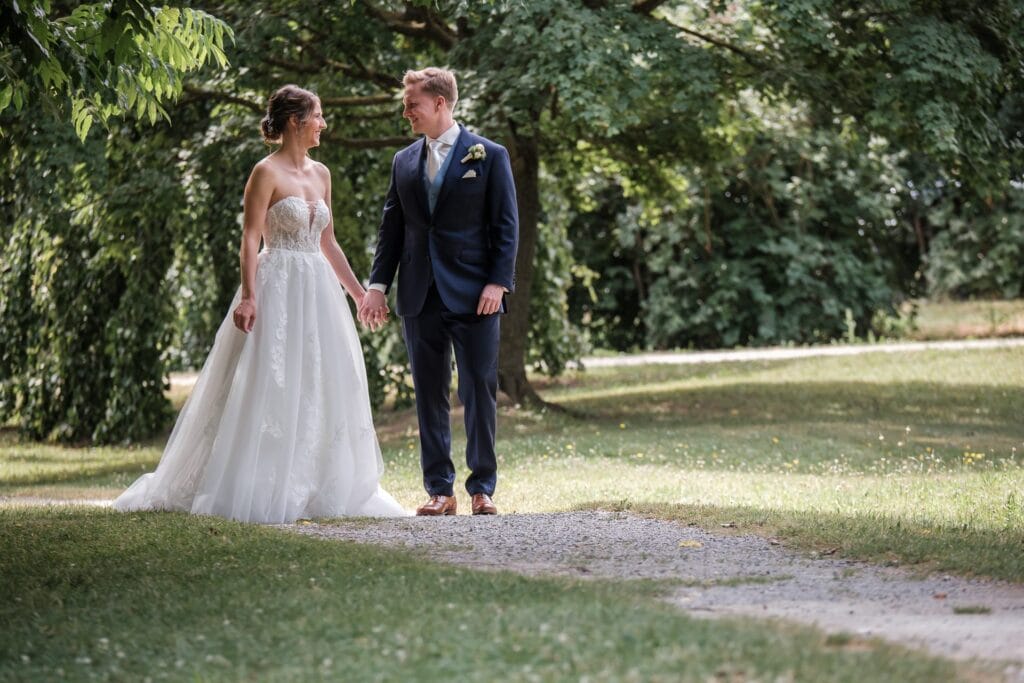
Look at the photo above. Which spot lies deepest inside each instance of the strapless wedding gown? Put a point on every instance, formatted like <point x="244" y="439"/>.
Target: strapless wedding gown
<point x="278" y="425"/>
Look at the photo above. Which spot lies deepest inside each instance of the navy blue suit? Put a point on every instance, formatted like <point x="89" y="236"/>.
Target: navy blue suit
<point x="443" y="259"/>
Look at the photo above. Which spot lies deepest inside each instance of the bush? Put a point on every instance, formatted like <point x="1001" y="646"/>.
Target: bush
<point x="978" y="252"/>
<point x="782" y="244"/>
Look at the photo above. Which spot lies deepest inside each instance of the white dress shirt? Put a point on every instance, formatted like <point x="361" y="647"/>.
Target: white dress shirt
<point x="438" y="150"/>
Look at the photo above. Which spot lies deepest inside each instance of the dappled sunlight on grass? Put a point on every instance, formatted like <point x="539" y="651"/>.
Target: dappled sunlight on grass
<point x="874" y="414"/>
<point x="31" y="464"/>
<point x="932" y="441"/>
<point x="981" y="500"/>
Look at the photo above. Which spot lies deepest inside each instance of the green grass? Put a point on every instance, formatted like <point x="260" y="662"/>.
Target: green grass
<point x="972" y="609"/>
<point x="968" y="319"/>
<point x="50" y="470"/>
<point x="93" y="594"/>
<point x="913" y="459"/>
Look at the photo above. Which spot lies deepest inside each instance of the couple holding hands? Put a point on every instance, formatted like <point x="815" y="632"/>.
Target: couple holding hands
<point x="278" y="426"/>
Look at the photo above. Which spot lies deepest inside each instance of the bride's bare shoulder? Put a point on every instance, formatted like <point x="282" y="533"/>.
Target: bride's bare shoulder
<point x="265" y="170"/>
<point x="263" y="178"/>
<point x="266" y="165"/>
<point x="321" y="169"/>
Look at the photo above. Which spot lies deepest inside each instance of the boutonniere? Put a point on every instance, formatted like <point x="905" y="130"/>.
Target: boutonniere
<point x="477" y="151"/>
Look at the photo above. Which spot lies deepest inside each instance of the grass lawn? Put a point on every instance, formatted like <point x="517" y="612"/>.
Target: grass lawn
<point x="911" y="459"/>
<point x="97" y="595"/>
<point x="915" y="459"/>
<point x="966" y="319"/>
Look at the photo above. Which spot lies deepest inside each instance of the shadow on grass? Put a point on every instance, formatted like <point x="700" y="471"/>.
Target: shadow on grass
<point x="93" y="477"/>
<point x="639" y="375"/>
<point x="981" y="405"/>
<point x="76" y="466"/>
<point x="964" y="550"/>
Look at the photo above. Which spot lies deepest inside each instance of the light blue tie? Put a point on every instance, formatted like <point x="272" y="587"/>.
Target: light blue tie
<point x="434" y="188"/>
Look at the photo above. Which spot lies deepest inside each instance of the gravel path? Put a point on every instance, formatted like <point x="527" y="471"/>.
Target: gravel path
<point x="722" y="575"/>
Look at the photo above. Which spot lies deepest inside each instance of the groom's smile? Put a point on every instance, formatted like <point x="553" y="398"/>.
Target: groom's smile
<point x="426" y="114"/>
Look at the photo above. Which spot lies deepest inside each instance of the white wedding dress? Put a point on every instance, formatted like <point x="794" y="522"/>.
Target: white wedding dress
<point x="278" y="426"/>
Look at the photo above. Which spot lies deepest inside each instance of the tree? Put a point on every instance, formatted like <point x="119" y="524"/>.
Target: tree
<point x="648" y="80"/>
<point x="93" y="61"/>
<point x="538" y="77"/>
<point x="668" y="106"/>
<point x="535" y="76"/>
<point x="82" y="287"/>
<point x="931" y="76"/>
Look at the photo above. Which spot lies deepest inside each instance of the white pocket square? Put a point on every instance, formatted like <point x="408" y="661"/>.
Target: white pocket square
<point x="469" y="174"/>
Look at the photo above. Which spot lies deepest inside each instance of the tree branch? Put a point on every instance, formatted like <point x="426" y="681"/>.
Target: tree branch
<point x="647" y="6"/>
<point x="341" y="101"/>
<point x="370" y="143"/>
<point x="718" y="42"/>
<point x="297" y="67"/>
<point x="416" y="22"/>
<point x="314" y="67"/>
<point x="357" y="100"/>
<point x="349" y="143"/>
<point x="200" y="93"/>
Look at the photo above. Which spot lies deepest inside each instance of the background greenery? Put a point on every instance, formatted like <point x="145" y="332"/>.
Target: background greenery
<point x="689" y="174"/>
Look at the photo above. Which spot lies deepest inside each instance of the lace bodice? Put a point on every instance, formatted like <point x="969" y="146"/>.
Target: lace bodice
<point x="295" y="224"/>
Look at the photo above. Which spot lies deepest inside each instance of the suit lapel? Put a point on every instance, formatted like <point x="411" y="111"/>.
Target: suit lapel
<point x="416" y="169"/>
<point x="455" y="166"/>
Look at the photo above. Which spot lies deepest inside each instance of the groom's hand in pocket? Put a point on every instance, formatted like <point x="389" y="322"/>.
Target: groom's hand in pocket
<point x="490" y="300"/>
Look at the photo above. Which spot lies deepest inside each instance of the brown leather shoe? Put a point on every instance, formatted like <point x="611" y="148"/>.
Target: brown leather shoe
<point x="437" y="506"/>
<point x="483" y="505"/>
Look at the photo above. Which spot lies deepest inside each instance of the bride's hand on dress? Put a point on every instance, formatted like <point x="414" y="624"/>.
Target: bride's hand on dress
<point x="245" y="315"/>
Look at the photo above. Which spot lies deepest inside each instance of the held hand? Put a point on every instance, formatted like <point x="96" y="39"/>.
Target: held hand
<point x="244" y="315"/>
<point x="373" y="310"/>
<point x="490" y="300"/>
<point x="359" y="297"/>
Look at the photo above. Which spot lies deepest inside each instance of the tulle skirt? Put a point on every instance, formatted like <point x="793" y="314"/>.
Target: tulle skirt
<point x="278" y="426"/>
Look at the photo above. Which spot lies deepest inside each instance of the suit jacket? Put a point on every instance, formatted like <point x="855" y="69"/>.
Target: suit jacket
<point x="467" y="242"/>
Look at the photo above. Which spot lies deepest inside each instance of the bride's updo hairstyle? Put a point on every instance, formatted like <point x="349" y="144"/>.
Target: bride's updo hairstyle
<point x="286" y="102"/>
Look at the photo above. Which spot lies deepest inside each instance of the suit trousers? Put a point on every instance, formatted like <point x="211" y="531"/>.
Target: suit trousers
<point x="430" y="338"/>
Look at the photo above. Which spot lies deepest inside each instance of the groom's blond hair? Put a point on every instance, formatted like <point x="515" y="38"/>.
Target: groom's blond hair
<point x="435" y="81"/>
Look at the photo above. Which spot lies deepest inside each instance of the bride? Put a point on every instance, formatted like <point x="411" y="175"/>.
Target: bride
<point x="278" y="425"/>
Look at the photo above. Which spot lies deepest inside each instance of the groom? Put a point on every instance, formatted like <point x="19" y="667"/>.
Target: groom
<point x="451" y="226"/>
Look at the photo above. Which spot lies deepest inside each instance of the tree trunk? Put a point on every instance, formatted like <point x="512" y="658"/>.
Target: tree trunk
<point x="515" y="325"/>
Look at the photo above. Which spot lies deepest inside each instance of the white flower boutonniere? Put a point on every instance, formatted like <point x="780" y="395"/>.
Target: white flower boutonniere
<point x="477" y="151"/>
